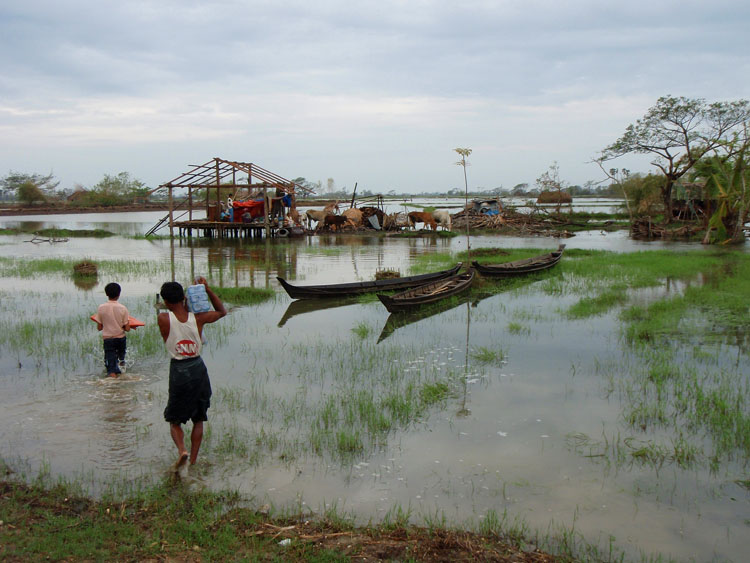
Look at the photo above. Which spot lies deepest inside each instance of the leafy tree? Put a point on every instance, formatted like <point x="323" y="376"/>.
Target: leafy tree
<point x="641" y="192"/>
<point x="117" y="189"/>
<point x="726" y="181"/>
<point x="13" y="182"/>
<point x="29" y="193"/>
<point x="120" y="185"/>
<point x="678" y="132"/>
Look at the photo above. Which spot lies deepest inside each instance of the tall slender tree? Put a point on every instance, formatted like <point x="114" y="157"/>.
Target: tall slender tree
<point x="464" y="153"/>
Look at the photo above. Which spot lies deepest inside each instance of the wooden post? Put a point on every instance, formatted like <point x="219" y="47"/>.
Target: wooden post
<point x="190" y="203"/>
<point x="171" y="212"/>
<point x="218" y="191"/>
<point x="266" y="223"/>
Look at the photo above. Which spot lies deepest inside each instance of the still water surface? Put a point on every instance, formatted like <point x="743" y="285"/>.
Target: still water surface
<point x="504" y="441"/>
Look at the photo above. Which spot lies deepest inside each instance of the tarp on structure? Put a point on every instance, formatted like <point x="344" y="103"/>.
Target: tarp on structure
<point x="255" y="208"/>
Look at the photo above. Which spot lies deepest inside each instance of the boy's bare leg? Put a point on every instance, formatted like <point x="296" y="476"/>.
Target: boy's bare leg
<point x="196" y="437"/>
<point x="178" y="436"/>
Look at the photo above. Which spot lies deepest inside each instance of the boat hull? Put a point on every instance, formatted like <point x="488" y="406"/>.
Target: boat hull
<point x="359" y="288"/>
<point x="428" y="293"/>
<point x="520" y="267"/>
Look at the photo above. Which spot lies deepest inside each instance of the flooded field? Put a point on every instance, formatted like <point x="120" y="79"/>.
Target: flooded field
<point x="510" y="409"/>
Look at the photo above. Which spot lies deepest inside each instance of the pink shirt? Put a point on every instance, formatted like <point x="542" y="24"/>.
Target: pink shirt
<point x="113" y="316"/>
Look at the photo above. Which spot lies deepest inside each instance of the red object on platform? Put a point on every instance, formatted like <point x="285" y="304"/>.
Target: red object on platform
<point x="255" y="208"/>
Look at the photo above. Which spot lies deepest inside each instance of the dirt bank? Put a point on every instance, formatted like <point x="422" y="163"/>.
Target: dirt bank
<point x="11" y="210"/>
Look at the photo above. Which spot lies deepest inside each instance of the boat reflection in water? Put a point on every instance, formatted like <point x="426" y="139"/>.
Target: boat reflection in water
<point x="401" y="319"/>
<point x="302" y="306"/>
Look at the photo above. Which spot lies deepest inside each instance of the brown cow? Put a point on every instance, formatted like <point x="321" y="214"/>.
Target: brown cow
<point x="335" y="222"/>
<point x="422" y="217"/>
<point x="354" y="216"/>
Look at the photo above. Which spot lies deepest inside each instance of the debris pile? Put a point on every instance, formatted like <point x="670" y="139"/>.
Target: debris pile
<point x="645" y="229"/>
<point x="511" y="221"/>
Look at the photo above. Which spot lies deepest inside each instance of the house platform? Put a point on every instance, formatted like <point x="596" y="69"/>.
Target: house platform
<point x="222" y="229"/>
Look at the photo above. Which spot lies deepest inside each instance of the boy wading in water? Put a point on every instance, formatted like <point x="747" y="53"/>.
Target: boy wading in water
<point x="189" y="386"/>
<point x="113" y="320"/>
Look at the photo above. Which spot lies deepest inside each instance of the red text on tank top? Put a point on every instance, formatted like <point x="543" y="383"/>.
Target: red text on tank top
<point x="186" y="348"/>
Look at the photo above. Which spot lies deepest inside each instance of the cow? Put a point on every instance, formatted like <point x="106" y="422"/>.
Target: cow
<point x="319" y="216"/>
<point x="332" y="208"/>
<point x="442" y="217"/>
<point x="353" y="216"/>
<point x="395" y="221"/>
<point x="315" y="215"/>
<point x="334" y="222"/>
<point x="421" y="217"/>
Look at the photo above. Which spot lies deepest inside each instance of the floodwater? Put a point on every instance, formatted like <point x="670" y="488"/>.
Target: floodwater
<point x="285" y="376"/>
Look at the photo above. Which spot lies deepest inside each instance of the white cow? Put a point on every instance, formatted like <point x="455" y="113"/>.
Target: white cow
<point x="442" y="217"/>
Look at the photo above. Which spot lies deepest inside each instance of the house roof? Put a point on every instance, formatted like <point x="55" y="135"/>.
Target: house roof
<point x="213" y="172"/>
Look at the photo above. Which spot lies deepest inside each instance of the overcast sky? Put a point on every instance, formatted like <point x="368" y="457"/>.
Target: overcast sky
<point x="376" y="92"/>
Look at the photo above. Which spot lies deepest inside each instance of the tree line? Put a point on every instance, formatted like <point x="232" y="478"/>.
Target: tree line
<point x="111" y="190"/>
<point x="699" y="151"/>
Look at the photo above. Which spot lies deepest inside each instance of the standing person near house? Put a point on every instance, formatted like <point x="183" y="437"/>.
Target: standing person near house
<point x="189" y="385"/>
<point x="230" y="209"/>
<point x="113" y="320"/>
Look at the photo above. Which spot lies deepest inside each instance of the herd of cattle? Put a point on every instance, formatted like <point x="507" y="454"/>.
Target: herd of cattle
<point x="329" y="218"/>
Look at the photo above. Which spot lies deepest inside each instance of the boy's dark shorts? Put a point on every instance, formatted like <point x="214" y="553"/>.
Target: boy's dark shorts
<point x="189" y="391"/>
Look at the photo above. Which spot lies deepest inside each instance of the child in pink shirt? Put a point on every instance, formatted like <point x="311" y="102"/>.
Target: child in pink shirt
<point x="113" y="321"/>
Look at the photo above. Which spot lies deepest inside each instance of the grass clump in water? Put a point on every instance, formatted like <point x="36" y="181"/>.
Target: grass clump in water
<point x="432" y="393"/>
<point x="244" y="295"/>
<point x="59" y="233"/>
<point x="486" y="355"/>
<point x="362" y="330"/>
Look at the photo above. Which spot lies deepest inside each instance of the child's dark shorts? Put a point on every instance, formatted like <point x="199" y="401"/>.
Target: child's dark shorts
<point x="189" y="391"/>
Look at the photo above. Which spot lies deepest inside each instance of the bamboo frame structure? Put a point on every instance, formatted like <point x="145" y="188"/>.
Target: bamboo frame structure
<point x="213" y="175"/>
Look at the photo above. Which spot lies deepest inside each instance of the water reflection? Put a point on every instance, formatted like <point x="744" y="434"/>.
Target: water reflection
<point x="463" y="411"/>
<point x="302" y="306"/>
<point x="85" y="283"/>
<point x="402" y="319"/>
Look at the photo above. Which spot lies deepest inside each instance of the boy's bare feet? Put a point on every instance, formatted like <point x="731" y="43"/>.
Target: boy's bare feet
<point x="113" y="375"/>
<point x="182" y="461"/>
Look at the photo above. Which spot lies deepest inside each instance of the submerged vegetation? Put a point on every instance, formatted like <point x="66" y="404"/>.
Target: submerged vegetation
<point x="244" y="295"/>
<point x="59" y="233"/>
<point x="338" y="394"/>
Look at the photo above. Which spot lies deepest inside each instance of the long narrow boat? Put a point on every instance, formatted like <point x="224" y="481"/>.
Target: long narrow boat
<point x="428" y="293"/>
<point x="521" y="267"/>
<point x="358" y="288"/>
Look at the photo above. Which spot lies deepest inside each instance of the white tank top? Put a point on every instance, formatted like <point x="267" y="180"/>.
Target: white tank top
<point x="183" y="341"/>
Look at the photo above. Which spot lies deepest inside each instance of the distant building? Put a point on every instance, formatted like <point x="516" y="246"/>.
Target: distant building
<point x="77" y="195"/>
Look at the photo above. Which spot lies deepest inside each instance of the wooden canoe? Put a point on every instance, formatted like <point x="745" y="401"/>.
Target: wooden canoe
<point x="520" y="267"/>
<point x="358" y="288"/>
<point x="428" y="293"/>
